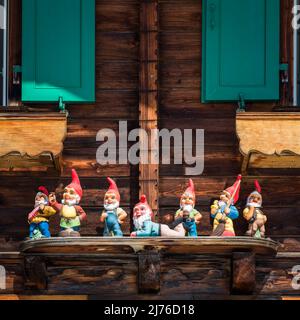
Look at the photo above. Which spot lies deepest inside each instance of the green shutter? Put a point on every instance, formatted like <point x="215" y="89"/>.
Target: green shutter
<point x="58" y="50"/>
<point x="241" y="54"/>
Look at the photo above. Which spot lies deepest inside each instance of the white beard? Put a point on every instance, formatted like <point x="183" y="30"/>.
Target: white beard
<point x="139" y="222"/>
<point x="42" y="202"/>
<point x="70" y="203"/>
<point x="189" y="208"/>
<point x="112" y="206"/>
<point x="254" y="204"/>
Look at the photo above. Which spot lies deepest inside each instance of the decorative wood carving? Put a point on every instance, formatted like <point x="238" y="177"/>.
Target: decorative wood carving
<point x="36" y="272"/>
<point x="148" y="105"/>
<point x="243" y="272"/>
<point x="270" y="138"/>
<point x="149" y="271"/>
<point x="142" y="260"/>
<point x="32" y="138"/>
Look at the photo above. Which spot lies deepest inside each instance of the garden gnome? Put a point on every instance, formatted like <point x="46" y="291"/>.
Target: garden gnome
<point x="223" y="211"/>
<point x="113" y="216"/>
<point x="71" y="213"/>
<point x="187" y="214"/>
<point x="39" y="217"/>
<point x="254" y="215"/>
<point x="145" y="227"/>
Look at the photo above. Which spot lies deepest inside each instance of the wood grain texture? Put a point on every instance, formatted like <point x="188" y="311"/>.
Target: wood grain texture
<point x="25" y="133"/>
<point x="118" y="42"/>
<point x="268" y="133"/>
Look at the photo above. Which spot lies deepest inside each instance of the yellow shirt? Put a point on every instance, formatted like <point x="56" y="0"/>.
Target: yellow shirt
<point x="43" y="216"/>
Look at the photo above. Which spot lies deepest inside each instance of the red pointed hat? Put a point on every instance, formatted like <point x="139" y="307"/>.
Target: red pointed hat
<point x="144" y="201"/>
<point x="43" y="190"/>
<point x="113" y="188"/>
<point x="234" y="190"/>
<point x="190" y="188"/>
<point x="257" y="190"/>
<point x="75" y="184"/>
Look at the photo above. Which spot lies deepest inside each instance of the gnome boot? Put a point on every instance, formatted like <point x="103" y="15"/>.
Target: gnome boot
<point x="74" y="234"/>
<point x="65" y="233"/>
<point x="176" y="223"/>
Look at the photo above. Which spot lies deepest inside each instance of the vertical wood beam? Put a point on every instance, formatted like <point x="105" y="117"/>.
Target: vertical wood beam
<point x="148" y="103"/>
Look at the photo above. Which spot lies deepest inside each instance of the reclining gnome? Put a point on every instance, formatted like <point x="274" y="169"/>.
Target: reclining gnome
<point x="145" y="227"/>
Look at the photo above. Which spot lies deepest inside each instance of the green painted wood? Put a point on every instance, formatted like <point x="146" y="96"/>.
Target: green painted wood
<point x="58" y="50"/>
<point x="241" y="51"/>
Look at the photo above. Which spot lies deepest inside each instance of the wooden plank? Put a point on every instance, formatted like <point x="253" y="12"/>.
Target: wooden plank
<point x="148" y="106"/>
<point x="96" y="245"/>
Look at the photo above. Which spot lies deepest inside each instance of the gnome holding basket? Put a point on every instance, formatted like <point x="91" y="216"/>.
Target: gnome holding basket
<point x="145" y="227"/>
<point x="254" y="215"/>
<point x="39" y="217"/>
<point x="113" y="216"/>
<point x="223" y="211"/>
<point x="187" y="214"/>
<point x="71" y="213"/>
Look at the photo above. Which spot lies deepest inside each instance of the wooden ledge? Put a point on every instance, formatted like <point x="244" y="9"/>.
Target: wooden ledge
<point x="149" y="253"/>
<point x="201" y="245"/>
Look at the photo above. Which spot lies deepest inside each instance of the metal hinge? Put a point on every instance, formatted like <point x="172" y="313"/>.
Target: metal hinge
<point x="241" y="103"/>
<point x="61" y="105"/>
<point x="17" y="70"/>
<point x="284" y="67"/>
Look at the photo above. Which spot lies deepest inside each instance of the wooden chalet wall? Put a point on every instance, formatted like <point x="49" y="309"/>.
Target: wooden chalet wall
<point x="179" y="106"/>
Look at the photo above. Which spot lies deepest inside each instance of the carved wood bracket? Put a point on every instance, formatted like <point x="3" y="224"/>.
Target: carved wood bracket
<point x="149" y="271"/>
<point x="35" y="272"/>
<point x="243" y="273"/>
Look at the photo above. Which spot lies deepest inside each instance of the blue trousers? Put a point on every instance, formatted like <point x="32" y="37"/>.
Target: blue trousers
<point x="77" y="229"/>
<point x="112" y="226"/>
<point x="191" y="227"/>
<point x="43" y="227"/>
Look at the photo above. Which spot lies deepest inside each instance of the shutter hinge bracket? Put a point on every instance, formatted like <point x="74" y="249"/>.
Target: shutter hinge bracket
<point x="284" y="67"/>
<point x="17" y="70"/>
<point x="241" y="103"/>
<point x="61" y="105"/>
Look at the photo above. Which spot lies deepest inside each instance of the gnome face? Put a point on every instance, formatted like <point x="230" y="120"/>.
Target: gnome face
<point x="255" y="200"/>
<point x="187" y="199"/>
<point x="40" y="199"/>
<point x="141" y="213"/>
<point x="224" y="198"/>
<point x="111" y="201"/>
<point x="70" y="197"/>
